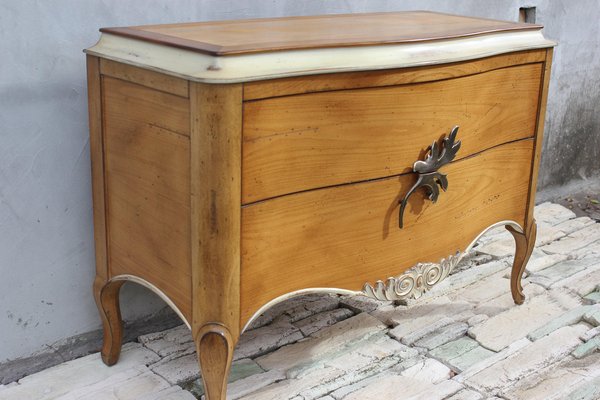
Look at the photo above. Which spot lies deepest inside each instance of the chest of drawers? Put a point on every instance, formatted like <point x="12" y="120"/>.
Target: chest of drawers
<point x="237" y="163"/>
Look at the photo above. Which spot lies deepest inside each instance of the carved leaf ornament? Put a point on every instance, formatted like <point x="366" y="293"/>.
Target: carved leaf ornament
<point x="430" y="178"/>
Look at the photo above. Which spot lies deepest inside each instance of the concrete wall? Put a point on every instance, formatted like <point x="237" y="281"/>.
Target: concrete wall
<point x="46" y="245"/>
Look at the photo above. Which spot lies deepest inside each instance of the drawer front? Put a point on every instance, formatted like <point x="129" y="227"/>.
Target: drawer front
<point x="345" y="236"/>
<point x="302" y="142"/>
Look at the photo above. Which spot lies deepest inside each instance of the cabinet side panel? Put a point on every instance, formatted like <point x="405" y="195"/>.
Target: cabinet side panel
<point x="539" y="135"/>
<point x="97" y="158"/>
<point x="147" y="181"/>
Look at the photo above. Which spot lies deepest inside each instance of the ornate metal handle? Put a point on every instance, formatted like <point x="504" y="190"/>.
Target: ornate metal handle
<point x="429" y="176"/>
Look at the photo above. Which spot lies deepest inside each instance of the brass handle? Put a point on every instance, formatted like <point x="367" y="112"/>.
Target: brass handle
<point x="429" y="176"/>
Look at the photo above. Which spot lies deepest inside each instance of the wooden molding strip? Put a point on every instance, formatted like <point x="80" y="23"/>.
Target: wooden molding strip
<point x="207" y="68"/>
<point x="97" y="158"/>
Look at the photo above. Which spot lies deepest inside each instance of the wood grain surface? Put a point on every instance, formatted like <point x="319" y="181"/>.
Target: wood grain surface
<point x="97" y="159"/>
<point x="256" y="90"/>
<point x="216" y="148"/>
<point x="109" y="306"/>
<point x="214" y="348"/>
<point x="302" y="142"/>
<point x="524" y="242"/>
<point x="323" y="31"/>
<point x="144" y="77"/>
<point x="216" y="128"/>
<point x="345" y="236"/>
<point x="539" y="136"/>
<point x="147" y="158"/>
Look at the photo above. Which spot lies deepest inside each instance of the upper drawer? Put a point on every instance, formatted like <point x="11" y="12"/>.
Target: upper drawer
<point x="302" y="142"/>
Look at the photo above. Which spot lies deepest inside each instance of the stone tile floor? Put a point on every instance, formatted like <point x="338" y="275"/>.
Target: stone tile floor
<point x="464" y="340"/>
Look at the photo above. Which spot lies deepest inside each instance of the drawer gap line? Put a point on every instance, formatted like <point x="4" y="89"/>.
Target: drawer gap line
<point x="379" y="178"/>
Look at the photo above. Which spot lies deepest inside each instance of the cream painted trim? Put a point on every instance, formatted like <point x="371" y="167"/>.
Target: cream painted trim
<point x="287" y="296"/>
<point x="294" y="294"/>
<point x="145" y="283"/>
<point x="512" y="223"/>
<point x="201" y="67"/>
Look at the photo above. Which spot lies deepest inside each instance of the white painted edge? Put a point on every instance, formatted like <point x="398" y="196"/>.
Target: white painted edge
<point x="289" y="295"/>
<point x="294" y="294"/>
<point x="160" y="293"/>
<point x="206" y="68"/>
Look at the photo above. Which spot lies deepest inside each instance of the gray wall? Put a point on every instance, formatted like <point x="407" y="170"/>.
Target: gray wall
<point x="46" y="245"/>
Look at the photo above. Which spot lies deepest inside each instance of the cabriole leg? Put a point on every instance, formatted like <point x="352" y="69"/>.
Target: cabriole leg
<point x="107" y="300"/>
<point x="524" y="243"/>
<point x="214" y="346"/>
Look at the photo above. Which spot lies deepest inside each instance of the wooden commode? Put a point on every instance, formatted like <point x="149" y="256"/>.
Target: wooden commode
<point x="237" y="163"/>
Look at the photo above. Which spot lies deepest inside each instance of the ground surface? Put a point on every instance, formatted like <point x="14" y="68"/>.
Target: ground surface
<point x="464" y="340"/>
<point x="583" y="203"/>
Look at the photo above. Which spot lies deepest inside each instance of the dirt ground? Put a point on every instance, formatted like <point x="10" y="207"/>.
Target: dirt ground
<point x="583" y="203"/>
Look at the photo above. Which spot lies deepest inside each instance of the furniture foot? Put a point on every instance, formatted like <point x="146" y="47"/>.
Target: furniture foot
<point x="214" y="346"/>
<point x="107" y="300"/>
<point x="524" y="243"/>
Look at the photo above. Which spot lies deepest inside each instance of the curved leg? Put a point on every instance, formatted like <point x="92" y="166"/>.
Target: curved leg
<point x="107" y="300"/>
<point x="524" y="242"/>
<point x="214" y="346"/>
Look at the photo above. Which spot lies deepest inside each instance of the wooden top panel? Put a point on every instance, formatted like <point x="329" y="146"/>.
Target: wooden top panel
<point x="342" y="30"/>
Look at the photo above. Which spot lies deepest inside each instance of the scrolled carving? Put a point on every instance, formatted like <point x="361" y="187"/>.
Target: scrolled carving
<point x="414" y="282"/>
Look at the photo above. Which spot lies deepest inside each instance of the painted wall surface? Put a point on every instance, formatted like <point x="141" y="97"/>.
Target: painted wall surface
<point x="46" y="243"/>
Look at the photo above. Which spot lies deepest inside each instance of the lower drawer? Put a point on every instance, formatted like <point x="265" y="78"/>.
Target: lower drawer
<point x="344" y="236"/>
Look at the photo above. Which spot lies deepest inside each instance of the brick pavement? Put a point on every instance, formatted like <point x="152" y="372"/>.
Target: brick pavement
<point x="464" y="340"/>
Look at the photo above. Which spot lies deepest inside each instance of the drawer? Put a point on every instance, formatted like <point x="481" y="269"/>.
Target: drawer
<point x="302" y="142"/>
<point x="344" y="236"/>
